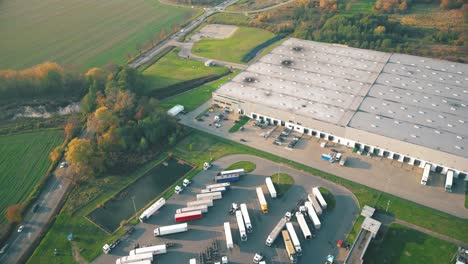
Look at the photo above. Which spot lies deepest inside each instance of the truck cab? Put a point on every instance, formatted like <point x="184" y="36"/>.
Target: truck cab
<point x="186" y="182"/>
<point x="178" y="189"/>
<point x="106" y="248"/>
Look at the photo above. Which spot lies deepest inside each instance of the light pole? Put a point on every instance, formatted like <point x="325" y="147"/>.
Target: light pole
<point x="134" y="207"/>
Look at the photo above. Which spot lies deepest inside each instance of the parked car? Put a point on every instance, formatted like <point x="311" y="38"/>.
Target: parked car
<point x="258" y="257"/>
<point x="34" y="208"/>
<point x="243" y="140"/>
<point x="20" y="229"/>
<point x="4" y="248"/>
<point x="63" y="165"/>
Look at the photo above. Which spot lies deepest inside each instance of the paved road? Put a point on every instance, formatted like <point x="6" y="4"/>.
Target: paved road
<point x="377" y="172"/>
<point x="34" y="223"/>
<point x="259" y="10"/>
<point x="335" y="223"/>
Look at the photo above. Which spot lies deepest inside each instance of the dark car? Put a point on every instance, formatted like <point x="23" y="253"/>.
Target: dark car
<point x="35" y="208"/>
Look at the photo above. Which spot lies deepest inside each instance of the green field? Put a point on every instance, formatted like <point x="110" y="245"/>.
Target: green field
<point x="360" y="6"/>
<point x="246" y="165"/>
<point x="234" y="48"/>
<point x="82" y="33"/>
<point x="172" y="69"/>
<point x="24" y="158"/>
<point x="403" y="245"/>
<point x="282" y="182"/>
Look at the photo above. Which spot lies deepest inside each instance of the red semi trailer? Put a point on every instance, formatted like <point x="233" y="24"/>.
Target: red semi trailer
<point x="187" y="216"/>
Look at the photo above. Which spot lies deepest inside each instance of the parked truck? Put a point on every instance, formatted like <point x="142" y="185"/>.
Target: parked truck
<point x="152" y="209"/>
<point x="245" y="215"/>
<point x="276" y="231"/>
<point x="227" y="185"/>
<point x="313" y="216"/>
<point x="303" y="225"/>
<point x="262" y="200"/>
<point x="188" y="216"/>
<point x="236" y="171"/>
<point x="240" y="224"/>
<point x="294" y="238"/>
<point x="315" y="204"/>
<point x="172" y="229"/>
<point x="449" y="181"/>
<point x="211" y="196"/>
<point x="227" y="232"/>
<point x="426" y="172"/>
<point x="134" y="258"/>
<point x="289" y="247"/>
<point x="271" y="187"/>
<point x="218" y="189"/>
<point x="207" y="202"/>
<point x="319" y="197"/>
<point x="227" y="178"/>
<point x="155" y="250"/>
<point x="202" y="207"/>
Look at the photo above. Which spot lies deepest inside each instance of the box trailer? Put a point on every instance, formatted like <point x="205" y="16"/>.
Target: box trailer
<point x="226" y="178"/>
<point x="211" y="196"/>
<point x="227" y="232"/>
<point x="277" y="229"/>
<point x="142" y="262"/>
<point x="449" y="181"/>
<point x="303" y="225"/>
<point x="227" y="185"/>
<point x="218" y="189"/>
<point x="152" y="209"/>
<point x="134" y="258"/>
<point x="202" y="207"/>
<point x="271" y="187"/>
<point x="294" y="238"/>
<point x="236" y="171"/>
<point x="425" y="176"/>
<point x="172" y="229"/>
<point x="207" y="202"/>
<point x="245" y="215"/>
<point x="315" y="204"/>
<point x="155" y="250"/>
<point x="313" y="216"/>
<point x="319" y="197"/>
<point x="262" y="200"/>
<point x="289" y="247"/>
<point x="240" y="224"/>
<point x="188" y="216"/>
<point x="193" y="261"/>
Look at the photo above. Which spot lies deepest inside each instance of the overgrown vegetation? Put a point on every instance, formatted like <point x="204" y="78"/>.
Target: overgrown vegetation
<point x="282" y="182"/>
<point x="404" y="245"/>
<point x="246" y="165"/>
<point x="240" y="123"/>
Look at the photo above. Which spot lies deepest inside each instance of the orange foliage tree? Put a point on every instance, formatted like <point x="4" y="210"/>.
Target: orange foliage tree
<point x="13" y="213"/>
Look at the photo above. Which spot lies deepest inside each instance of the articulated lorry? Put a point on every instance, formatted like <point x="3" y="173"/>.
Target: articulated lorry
<point x="152" y="209"/>
<point x="245" y="215"/>
<point x="202" y="207"/>
<point x="207" y="202"/>
<point x="262" y="200"/>
<point x="227" y="232"/>
<point x="155" y="250"/>
<point x="449" y="181"/>
<point x="303" y="225"/>
<point x="135" y="258"/>
<point x="289" y="247"/>
<point x="271" y="187"/>
<point x="313" y="216"/>
<point x="240" y="224"/>
<point x="172" y="229"/>
<point x="426" y="172"/>
<point x="211" y="196"/>
<point x="277" y="230"/>
<point x="193" y="215"/>
<point x="319" y="197"/>
<point x="294" y="238"/>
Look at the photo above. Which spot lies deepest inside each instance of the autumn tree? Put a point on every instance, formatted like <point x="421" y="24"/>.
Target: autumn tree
<point x="450" y="4"/>
<point x="71" y="127"/>
<point x="13" y="213"/>
<point x="83" y="158"/>
<point x="56" y="154"/>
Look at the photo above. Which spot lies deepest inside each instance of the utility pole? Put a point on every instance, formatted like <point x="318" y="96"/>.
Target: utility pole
<point x="388" y="204"/>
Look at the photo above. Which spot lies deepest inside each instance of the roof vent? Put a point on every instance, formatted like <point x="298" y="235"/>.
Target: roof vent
<point x="297" y="48"/>
<point x="249" y="79"/>
<point x="287" y="62"/>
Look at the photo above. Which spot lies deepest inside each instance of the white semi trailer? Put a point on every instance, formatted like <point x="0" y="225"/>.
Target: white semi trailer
<point x="202" y="207"/>
<point x="240" y="224"/>
<point x="217" y="185"/>
<point x="425" y="176"/>
<point x="152" y="209"/>
<point x="245" y="215"/>
<point x="303" y="225"/>
<point x="172" y="229"/>
<point x="271" y="187"/>
<point x="155" y="250"/>
<point x="313" y="216"/>
<point x="135" y="258"/>
<point x="449" y="181"/>
<point x="211" y="196"/>
<point x="294" y="238"/>
<point x="319" y="197"/>
<point x="227" y="232"/>
<point x="277" y="230"/>
<point x="207" y="202"/>
<point x="315" y="204"/>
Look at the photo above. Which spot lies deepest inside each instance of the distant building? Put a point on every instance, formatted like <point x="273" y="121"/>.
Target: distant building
<point x="175" y="110"/>
<point x="402" y="107"/>
<point x="209" y="63"/>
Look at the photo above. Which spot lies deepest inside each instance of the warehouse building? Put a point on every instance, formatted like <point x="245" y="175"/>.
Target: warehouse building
<point x="407" y="108"/>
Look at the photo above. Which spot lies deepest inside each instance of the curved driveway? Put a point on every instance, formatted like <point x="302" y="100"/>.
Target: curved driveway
<point x="335" y="223"/>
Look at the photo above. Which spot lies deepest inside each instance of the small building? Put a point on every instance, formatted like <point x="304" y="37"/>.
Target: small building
<point x="209" y="63"/>
<point x="367" y="211"/>
<point x="462" y="255"/>
<point x="175" y="110"/>
<point x="369" y="229"/>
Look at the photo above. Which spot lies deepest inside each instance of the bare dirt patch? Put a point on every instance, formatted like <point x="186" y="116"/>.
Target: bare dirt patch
<point x="217" y="31"/>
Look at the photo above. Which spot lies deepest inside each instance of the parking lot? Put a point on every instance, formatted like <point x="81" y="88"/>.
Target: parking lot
<point x="335" y="223"/>
<point x="381" y="173"/>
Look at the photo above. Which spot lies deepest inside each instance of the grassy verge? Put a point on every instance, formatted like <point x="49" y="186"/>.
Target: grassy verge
<point x="197" y="96"/>
<point x="354" y="230"/>
<point x="329" y="198"/>
<point x="404" y="245"/>
<point x="233" y="48"/>
<point x="282" y="182"/>
<point x="440" y="222"/>
<point x="246" y="165"/>
<point x="172" y="69"/>
<point x="240" y="123"/>
<point x="154" y="59"/>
